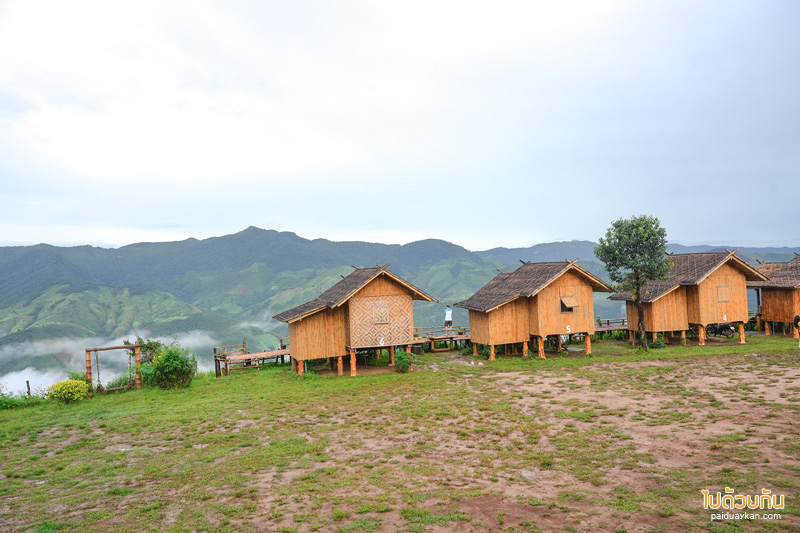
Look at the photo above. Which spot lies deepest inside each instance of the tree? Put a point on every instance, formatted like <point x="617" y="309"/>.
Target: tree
<point x="635" y="251"/>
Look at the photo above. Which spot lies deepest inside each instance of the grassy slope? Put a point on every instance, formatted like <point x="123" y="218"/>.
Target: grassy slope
<point x="268" y="451"/>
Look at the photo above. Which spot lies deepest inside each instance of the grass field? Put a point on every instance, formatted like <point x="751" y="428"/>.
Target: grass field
<point x="616" y="442"/>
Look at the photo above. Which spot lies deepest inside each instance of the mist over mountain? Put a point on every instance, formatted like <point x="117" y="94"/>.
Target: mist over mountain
<point x="218" y="290"/>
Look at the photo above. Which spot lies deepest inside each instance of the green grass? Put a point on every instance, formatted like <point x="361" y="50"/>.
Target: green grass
<point x="265" y="449"/>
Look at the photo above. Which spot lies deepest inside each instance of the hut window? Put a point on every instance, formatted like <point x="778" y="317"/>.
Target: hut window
<point x="724" y="293"/>
<point x="380" y="315"/>
<point x="568" y="304"/>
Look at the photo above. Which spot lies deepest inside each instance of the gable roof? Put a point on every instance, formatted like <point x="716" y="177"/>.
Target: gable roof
<point x="344" y="290"/>
<point x="525" y="282"/>
<point x="780" y="275"/>
<point x="691" y="269"/>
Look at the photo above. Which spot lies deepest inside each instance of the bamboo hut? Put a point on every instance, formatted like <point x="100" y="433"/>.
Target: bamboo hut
<point x="779" y="296"/>
<point x="534" y="302"/>
<point x="370" y="308"/>
<point x="701" y="289"/>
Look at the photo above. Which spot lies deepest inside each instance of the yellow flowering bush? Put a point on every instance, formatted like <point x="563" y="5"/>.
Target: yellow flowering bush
<point x="68" y="391"/>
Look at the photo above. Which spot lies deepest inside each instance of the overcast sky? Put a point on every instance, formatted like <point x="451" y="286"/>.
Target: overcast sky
<point x="483" y="123"/>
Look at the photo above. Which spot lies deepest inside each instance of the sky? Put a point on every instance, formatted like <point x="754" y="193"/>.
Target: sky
<point x="482" y="123"/>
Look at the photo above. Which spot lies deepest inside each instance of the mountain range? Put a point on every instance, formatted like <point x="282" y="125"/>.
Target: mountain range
<point x="229" y="287"/>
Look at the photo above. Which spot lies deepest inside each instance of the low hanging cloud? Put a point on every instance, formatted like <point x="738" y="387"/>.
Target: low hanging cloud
<point x="69" y="354"/>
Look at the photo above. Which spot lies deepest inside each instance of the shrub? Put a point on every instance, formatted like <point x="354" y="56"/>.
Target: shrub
<point x="402" y="360"/>
<point x="172" y="367"/>
<point x="657" y="343"/>
<point x="68" y="391"/>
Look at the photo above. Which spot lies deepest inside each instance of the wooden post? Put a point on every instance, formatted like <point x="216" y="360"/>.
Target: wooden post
<point x="767" y="328"/>
<point x="475" y="349"/>
<point x="758" y="322"/>
<point x="330" y="364"/>
<point x="541" y="348"/>
<point x="301" y="368"/>
<point x="587" y="340"/>
<point x="244" y="345"/>
<point x="89" y="372"/>
<point x="683" y="337"/>
<point x="741" y="333"/>
<point x="631" y="336"/>
<point x="559" y="346"/>
<point x="525" y="349"/>
<point x="795" y="332"/>
<point x="137" y="359"/>
<point x="391" y="354"/>
<point x="491" y="352"/>
<point x="410" y="366"/>
<point x="352" y="363"/>
<point x="294" y="364"/>
<point x="340" y="370"/>
<point x="701" y="335"/>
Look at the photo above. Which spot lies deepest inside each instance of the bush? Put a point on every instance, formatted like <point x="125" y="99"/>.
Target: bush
<point x="402" y="360"/>
<point x="172" y="367"/>
<point x="68" y="391"/>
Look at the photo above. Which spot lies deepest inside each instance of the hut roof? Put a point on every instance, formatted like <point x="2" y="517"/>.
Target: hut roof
<point x="344" y="290"/>
<point x="780" y="275"/>
<point x="526" y="281"/>
<point x="691" y="269"/>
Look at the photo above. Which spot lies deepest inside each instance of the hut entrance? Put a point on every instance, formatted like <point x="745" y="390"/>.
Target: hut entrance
<point x="134" y="350"/>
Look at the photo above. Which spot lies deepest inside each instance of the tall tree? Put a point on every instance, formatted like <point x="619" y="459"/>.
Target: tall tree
<point x="634" y="251"/>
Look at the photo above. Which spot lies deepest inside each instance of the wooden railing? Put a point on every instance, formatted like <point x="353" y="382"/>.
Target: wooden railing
<point x="608" y="322"/>
<point x="439" y="331"/>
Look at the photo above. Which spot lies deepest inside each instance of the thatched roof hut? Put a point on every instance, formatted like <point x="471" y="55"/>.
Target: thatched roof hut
<point x="370" y="308"/>
<point x="700" y="289"/>
<point x="536" y="300"/>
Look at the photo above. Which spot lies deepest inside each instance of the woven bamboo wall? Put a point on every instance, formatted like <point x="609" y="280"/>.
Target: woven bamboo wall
<point x="319" y="335"/>
<point x="546" y="317"/>
<point x="668" y="313"/>
<point x="380" y="320"/>
<point x="704" y="305"/>
<point x="780" y="305"/>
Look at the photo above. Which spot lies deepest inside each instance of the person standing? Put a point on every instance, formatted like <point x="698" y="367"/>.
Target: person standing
<point x="448" y="321"/>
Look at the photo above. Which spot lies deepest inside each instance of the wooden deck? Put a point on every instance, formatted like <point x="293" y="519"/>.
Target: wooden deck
<point x="611" y="324"/>
<point x="236" y="357"/>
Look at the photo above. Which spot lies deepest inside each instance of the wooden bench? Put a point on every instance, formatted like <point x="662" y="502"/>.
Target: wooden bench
<point x="236" y="357"/>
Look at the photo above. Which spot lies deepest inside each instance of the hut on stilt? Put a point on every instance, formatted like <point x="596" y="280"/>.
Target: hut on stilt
<point x="536" y="301"/>
<point x="779" y="296"/>
<point x="701" y="289"/>
<point x="370" y="308"/>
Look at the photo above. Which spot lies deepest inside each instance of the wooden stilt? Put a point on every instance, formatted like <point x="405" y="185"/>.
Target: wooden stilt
<point x="631" y="336"/>
<point x="352" y="363"/>
<point x="391" y="354"/>
<point x="767" y="328"/>
<point x="588" y="341"/>
<point x="758" y="322"/>
<point x="525" y="349"/>
<point x="410" y="366"/>
<point x="683" y="337"/>
<point x="474" y="349"/>
<point x="741" y="333"/>
<point x="301" y="368"/>
<point x="294" y="364"/>
<point x="667" y="335"/>
<point x="89" y="372"/>
<point x="541" y="348"/>
<point x="491" y="352"/>
<point x="559" y="346"/>
<point x="701" y="335"/>
<point x="137" y="359"/>
<point x="340" y="364"/>
<point x="330" y="364"/>
<point x="795" y="332"/>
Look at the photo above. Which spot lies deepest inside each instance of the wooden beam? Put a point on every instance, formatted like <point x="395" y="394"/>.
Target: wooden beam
<point x="137" y="359"/>
<point x="340" y="370"/>
<point x="352" y="363"/>
<point x="294" y="364"/>
<point x="683" y="337"/>
<point x="701" y="336"/>
<point x="741" y="333"/>
<point x="410" y="366"/>
<point x="541" y="348"/>
<point x="301" y="368"/>
<point x="767" y="328"/>
<point x="475" y="349"/>
<point x="631" y="336"/>
<point x="391" y="354"/>
<point x="587" y="340"/>
<point x="89" y="371"/>
<point x="525" y="349"/>
<point x="491" y="352"/>
<point x="559" y="346"/>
